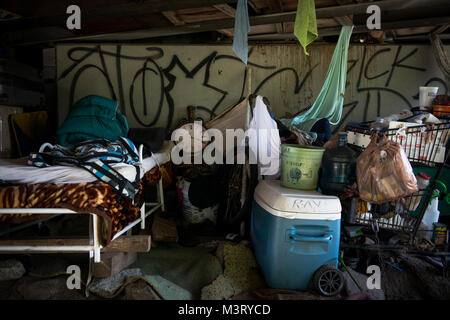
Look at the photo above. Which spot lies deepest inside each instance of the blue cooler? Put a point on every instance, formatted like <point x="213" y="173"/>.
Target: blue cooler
<point x="294" y="232"/>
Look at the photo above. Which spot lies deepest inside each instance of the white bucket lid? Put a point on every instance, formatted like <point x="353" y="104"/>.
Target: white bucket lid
<point x="296" y="204"/>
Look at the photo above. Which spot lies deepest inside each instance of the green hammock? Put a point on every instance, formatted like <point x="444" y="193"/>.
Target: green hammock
<point x="331" y="98"/>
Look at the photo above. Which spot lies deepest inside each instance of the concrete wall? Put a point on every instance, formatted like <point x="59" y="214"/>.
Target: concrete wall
<point x="155" y="84"/>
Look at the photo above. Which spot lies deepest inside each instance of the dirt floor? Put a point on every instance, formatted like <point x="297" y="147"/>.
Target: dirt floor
<point x="417" y="280"/>
<point x="211" y="267"/>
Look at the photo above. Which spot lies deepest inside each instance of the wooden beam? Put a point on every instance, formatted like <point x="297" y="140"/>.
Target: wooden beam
<point x="441" y="29"/>
<point x="172" y="17"/>
<point x="378" y="34"/>
<point x="424" y="22"/>
<point x="229" y="11"/>
<point x="327" y="12"/>
<point x="128" y="8"/>
<point x="255" y="8"/>
<point x="333" y="31"/>
<point x="227" y="32"/>
<point x="276" y="6"/>
<point x="345" y="20"/>
<point x="225" y="8"/>
<point x="138" y="243"/>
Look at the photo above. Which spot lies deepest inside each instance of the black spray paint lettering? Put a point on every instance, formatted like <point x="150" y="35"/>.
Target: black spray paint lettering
<point x="376" y="93"/>
<point x="151" y="67"/>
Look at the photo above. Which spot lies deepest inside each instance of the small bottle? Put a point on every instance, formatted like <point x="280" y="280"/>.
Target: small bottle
<point x="423" y="180"/>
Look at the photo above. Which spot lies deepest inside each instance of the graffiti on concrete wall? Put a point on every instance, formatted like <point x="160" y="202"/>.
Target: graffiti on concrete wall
<point x="149" y="84"/>
<point x="397" y="64"/>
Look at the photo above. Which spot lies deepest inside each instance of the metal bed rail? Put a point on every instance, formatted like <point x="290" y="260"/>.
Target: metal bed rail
<point x="94" y="248"/>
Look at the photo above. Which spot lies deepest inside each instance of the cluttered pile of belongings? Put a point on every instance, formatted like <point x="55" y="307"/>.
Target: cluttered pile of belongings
<point x="95" y="167"/>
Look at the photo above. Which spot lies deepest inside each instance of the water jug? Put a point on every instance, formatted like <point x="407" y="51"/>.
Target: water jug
<point x="338" y="167"/>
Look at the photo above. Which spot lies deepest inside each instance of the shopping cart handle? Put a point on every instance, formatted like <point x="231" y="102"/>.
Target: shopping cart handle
<point x="439" y="182"/>
<point x="444" y="195"/>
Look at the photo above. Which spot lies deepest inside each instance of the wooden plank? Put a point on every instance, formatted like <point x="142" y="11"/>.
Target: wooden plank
<point x="227" y="9"/>
<point x="441" y="29"/>
<point x="327" y="12"/>
<point x="265" y="28"/>
<point x="279" y="27"/>
<point x="209" y="15"/>
<point x="378" y="34"/>
<point x="227" y="32"/>
<point x="276" y="6"/>
<point x="345" y="20"/>
<point x="255" y="8"/>
<point x="288" y="27"/>
<point x="172" y="17"/>
<point x="333" y="31"/>
<point x="326" y="22"/>
<point x="128" y="8"/>
<point x="138" y="243"/>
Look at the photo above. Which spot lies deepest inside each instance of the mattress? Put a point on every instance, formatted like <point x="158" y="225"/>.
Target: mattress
<point x="92" y="197"/>
<point x="16" y="171"/>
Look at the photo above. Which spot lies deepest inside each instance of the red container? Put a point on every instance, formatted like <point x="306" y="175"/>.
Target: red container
<point x="441" y="111"/>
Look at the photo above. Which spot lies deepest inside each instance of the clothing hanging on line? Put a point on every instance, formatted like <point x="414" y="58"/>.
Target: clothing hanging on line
<point x="241" y="30"/>
<point x="330" y="100"/>
<point x="266" y="144"/>
<point x="305" y="27"/>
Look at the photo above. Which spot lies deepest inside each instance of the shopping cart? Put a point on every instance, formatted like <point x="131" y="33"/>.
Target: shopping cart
<point x="425" y="146"/>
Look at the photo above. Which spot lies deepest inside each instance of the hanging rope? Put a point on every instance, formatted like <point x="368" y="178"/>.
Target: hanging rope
<point x="441" y="56"/>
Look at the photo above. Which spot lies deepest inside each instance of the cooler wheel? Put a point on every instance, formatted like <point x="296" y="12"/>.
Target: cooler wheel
<point x="328" y="280"/>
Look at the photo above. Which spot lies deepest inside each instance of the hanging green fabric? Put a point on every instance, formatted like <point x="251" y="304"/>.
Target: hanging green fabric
<point x="305" y="28"/>
<point x="331" y="97"/>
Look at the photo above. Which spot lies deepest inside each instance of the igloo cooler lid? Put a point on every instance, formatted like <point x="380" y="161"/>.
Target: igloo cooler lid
<point x="296" y="204"/>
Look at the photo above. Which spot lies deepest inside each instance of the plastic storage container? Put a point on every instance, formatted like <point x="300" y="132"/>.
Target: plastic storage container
<point x="426" y="96"/>
<point x="300" y="166"/>
<point x="294" y="233"/>
<point x="441" y="111"/>
<point x="338" y="167"/>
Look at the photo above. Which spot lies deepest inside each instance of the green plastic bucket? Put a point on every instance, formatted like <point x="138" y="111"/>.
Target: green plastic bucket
<point x="300" y="166"/>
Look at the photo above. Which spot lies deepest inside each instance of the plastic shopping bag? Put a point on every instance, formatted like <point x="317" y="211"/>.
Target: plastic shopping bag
<point x="384" y="173"/>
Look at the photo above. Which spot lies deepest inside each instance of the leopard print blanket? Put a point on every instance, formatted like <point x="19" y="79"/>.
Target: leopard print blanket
<point x="95" y="197"/>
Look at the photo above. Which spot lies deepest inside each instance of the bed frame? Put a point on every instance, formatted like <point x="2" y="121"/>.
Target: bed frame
<point x="93" y="246"/>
